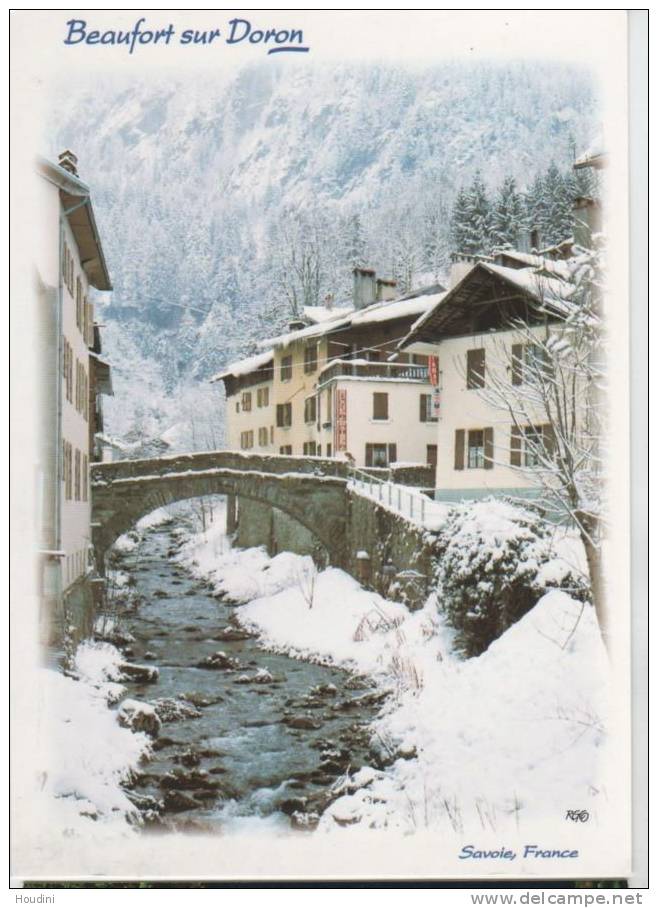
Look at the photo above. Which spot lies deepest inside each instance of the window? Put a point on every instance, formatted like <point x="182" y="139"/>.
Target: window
<point x="85" y="477"/>
<point x="479" y="449"/>
<point x="262" y="397"/>
<point x="310" y="358"/>
<point x="309" y="409"/>
<point x="530" y="444"/>
<point x="329" y="406"/>
<point x="286" y="368"/>
<point x="271" y="435"/>
<point x="283" y="415"/>
<point x="67" y="368"/>
<point x="310" y="448"/>
<point x="285" y="449"/>
<point x="380" y="455"/>
<point x="475" y="368"/>
<point x="528" y="360"/>
<point x="67" y="469"/>
<point x="78" y="303"/>
<point x="432" y="455"/>
<point x="247" y="439"/>
<point x="263" y="436"/>
<point x="246" y="401"/>
<point x="328" y="450"/>
<point x="426" y="414"/>
<point x="379" y="405"/>
<point x="76" y="483"/>
<point x="237" y="406"/>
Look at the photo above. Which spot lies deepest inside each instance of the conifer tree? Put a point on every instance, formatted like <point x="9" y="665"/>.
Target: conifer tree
<point x="508" y="216"/>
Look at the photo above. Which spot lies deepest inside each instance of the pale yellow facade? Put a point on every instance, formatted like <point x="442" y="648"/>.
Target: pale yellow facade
<point x="474" y="410"/>
<point x="300" y="415"/>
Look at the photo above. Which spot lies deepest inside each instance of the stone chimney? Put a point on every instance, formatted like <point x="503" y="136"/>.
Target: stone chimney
<point x="296" y="324"/>
<point x="365" y="287"/>
<point x="461" y="263"/>
<point x="69" y="161"/>
<point x="385" y="289"/>
<point x="329" y="301"/>
<point x="587" y="220"/>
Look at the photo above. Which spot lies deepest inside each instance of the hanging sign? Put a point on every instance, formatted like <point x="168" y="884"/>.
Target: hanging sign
<point x="433" y="370"/>
<point x="340" y="433"/>
<point x="436" y="402"/>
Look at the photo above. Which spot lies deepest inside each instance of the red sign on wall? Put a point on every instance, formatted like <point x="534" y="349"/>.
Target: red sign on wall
<point x="433" y="368"/>
<point x="340" y="427"/>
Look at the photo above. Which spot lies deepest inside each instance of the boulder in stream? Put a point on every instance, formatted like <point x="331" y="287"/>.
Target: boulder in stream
<point x="302" y="722"/>
<point x="171" y="709"/>
<point x="230" y="634"/>
<point x="220" y="661"/>
<point x="139" y="716"/>
<point x="144" y="673"/>
<point x="189" y="779"/>
<point x="261" y="676"/>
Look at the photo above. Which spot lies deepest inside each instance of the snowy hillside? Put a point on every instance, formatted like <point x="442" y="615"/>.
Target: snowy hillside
<point x="198" y="188"/>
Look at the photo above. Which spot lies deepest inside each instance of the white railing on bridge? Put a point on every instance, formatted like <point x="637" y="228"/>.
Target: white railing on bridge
<point x="404" y="500"/>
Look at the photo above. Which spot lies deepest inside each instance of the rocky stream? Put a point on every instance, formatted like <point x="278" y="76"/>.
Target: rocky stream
<point x="242" y="735"/>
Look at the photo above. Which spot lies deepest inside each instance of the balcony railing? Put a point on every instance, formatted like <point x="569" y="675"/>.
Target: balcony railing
<point x="363" y="368"/>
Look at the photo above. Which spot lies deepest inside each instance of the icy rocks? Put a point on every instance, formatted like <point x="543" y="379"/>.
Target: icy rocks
<point x="262" y="676"/>
<point x="201" y="700"/>
<point x="230" y="634"/>
<point x="220" y="661"/>
<point x="142" y="673"/>
<point x="193" y="780"/>
<point x="171" y="709"/>
<point x="139" y="716"/>
<point x="302" y="722"/>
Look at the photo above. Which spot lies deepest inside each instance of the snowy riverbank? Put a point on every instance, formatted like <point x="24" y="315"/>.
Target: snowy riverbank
<point x="485" y="744"/>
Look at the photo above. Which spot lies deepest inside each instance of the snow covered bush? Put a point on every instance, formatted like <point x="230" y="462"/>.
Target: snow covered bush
<point x="496" y="561"/>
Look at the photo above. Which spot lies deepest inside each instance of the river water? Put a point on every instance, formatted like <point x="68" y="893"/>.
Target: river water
<point x="257" y="752"/>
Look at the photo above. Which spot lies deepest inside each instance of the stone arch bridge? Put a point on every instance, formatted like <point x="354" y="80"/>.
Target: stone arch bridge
<point x="312" y="491"/>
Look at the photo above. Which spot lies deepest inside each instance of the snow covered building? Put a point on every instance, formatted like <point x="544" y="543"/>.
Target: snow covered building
<point x="70" y="262"/>
<point x="483" y="363"/>
<point x="326" y="386"/>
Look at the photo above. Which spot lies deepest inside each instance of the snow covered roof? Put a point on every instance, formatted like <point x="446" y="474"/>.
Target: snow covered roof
<point x="414" y="304"/>
<point x="75" y="197"/>
<point x="245" y="366"/>
<point x="318" y="314"/>
<point x="447" y="314"/>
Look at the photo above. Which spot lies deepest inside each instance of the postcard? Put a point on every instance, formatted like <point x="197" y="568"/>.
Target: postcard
<point x="321" y="445"/>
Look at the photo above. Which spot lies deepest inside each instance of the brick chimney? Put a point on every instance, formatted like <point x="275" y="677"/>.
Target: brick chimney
<point x="587" y="220"/>
<point x="69" y="161"/>
<point x="365" y="287"/>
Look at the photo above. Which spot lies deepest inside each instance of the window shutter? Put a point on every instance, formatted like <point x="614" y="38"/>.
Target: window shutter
<point x="392" y="453"/>
<point x="515" y="446"/>
<point x="488" y="448"/>
<point x="379" y="405"/>
<point x="549" y="440"/>
<point x="475" y="368"/>
<point x="459" y="449"/>
<point x="517" y="364"/>
<point x="368" y="455"/>
<point x="423" y="407"/>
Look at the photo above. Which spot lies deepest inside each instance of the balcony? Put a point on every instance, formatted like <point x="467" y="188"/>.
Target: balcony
<point x="363" y="368"/>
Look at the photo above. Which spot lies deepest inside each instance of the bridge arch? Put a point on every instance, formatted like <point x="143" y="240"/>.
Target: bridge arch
<point x="124" y="492"/>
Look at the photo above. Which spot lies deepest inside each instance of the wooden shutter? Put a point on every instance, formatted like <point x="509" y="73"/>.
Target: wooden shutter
<point x="392" y="453"/>
<point x="516" y="445"/>
<point x="548" y="436"/>
<point x="517" y="364"/>
<point x="423" y="407"/>
<point x="279" y="414"/>
<point x="368" y="455"/>
<point x="475" y="368"/>
<point x="379" y="405"/>
<point x="488" y="448"/>
<point x="459" y="449"/>
<point x="432" y="455"/>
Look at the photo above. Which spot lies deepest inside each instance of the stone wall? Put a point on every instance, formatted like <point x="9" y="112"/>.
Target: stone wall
<point x="384" y="536"/>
